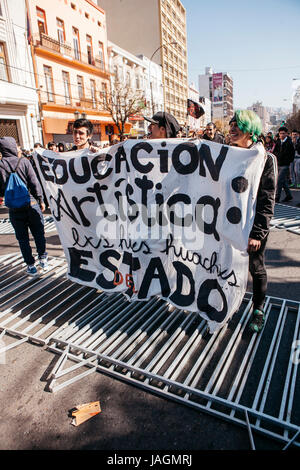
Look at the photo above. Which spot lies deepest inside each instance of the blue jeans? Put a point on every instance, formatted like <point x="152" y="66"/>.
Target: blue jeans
<point x="282" y="182"/>
<point x="295" y="171"/>
<point x="30" y="218"/>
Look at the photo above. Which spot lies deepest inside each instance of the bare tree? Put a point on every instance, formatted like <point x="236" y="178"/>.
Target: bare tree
<point x="293" y="121"/>
<point x="121" y="102"/>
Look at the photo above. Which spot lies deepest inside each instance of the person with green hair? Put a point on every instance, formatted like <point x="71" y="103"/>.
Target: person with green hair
<point x="245" y="130"/>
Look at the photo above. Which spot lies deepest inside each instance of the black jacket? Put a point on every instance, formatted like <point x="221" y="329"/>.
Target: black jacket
<point x="284" y="151"/>
<point x="265" y="199"/>
<point x="8" y="163"/>
<point x="297" y="146"/>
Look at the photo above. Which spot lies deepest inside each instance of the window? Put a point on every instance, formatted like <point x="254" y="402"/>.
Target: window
<point x="101" y="54"/>
<point x="93" y="93"/>
<point x="89" y="48"/>
<point x="49" y="82"/>
<point x="104" y="91"/>
<point x="60" y="30"/>
<point x="128" y="79"/>
<point x="41" y="19"/>
<point x="80" y="87"/>
<point x="76" y="44"/>
<point x="3" y="63"/>
<point x="66" y="82"/>
<point x="116" y="72"/>
<point x="137" y="82"/>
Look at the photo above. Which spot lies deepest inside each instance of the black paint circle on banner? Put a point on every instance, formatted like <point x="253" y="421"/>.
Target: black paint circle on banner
<point x="234" y="215"/>
<point x="239" y="184"/>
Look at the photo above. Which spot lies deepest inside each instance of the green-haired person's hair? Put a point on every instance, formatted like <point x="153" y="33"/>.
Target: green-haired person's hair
<point x="248" y="121"/>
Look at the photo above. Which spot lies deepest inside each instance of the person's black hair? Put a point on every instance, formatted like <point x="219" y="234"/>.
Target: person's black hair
<point x="37" y="144"/>
<point x="283" y="128"/>
<point x="82" y="122"/>
<point x="211" y="124"/>
<point x="295" y="130"/>
<point x="51" y="144"/>
<point x="60" y="146"/>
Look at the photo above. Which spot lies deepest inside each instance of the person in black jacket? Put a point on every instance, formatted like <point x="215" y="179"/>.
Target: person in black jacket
<point x="245" y="128"/>
<point x="212" y="134"/>
<point x="29" y="216"/>
<point x="285" y="153"/>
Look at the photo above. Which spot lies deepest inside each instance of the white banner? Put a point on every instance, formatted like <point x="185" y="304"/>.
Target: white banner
<point x="155" y="217"/>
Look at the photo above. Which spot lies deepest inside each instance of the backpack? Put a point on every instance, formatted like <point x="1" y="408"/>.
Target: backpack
<point x="16" y="193"/>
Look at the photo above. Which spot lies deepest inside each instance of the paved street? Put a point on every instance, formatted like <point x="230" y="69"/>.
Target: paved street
<point x="131" y="418"/>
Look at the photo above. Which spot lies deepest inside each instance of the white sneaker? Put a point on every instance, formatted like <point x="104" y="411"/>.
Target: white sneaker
<point x="43" y="262"/>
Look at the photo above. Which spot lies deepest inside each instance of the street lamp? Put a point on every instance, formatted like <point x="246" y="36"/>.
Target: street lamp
<point x="150" y="82"/>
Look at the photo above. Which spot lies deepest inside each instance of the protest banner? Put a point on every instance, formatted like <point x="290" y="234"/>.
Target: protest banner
<point x="158" y="217"/>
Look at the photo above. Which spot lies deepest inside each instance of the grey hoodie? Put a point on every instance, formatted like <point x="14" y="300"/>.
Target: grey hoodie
<point x="8" y="163"/>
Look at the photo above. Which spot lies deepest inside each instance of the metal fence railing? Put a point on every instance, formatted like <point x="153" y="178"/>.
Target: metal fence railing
<point x="251" y="380"/>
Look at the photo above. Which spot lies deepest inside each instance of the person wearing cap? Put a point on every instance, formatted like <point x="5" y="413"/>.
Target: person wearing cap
<point x="245" y="129"/>
<point x="162" y="126"/>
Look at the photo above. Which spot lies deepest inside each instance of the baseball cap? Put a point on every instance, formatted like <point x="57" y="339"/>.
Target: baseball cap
<point x="167" y="121"/>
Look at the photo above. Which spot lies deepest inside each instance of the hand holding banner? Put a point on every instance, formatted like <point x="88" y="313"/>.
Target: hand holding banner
<point x="158" y="217"/>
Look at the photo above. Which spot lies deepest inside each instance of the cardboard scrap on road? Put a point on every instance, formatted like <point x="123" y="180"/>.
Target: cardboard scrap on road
<point x="84" y="412"/>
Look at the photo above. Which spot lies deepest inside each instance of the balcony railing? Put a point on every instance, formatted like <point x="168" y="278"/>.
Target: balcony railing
<point x="55" y="45"/>
<point x="87" y="103"/>
<point x="74" y="102"/>
<point x="66" y="50"/>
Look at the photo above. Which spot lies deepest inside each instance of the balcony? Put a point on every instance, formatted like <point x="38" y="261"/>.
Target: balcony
<point x="65" y="50"/>
<point x="72" y="103"/>
<point x="54" y="45"/>
<point x="86" y="103"/>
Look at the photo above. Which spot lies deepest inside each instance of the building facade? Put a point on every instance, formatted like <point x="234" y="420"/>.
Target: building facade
<point x="19" y="111"/>
<point x="206" y="105"/>
<point x="69" y="44"/>
<point x="295" y="95"/>
<point x="141" y="76"/>
<point x="157" y="30"/>
<point x="218" y="88"/>
<point x="263" y="113"/>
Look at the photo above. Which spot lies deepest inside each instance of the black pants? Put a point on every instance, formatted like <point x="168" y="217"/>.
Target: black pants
<point x="29" y="218"/>
<point x="258" y="272"/>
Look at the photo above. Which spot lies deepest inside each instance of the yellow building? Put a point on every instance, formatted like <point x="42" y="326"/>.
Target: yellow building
<point x="69" y="46"/>
<point x="156" y="29"/>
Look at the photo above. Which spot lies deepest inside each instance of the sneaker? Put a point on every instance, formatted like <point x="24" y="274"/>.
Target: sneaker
<point x="31" y="270"/>
<point x="257" y="321"/>
<point x="288" y="198"/>
<point x="43" y="262"/>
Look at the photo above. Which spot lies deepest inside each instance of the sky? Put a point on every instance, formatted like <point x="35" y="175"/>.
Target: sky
<point x="257" y="42"/>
